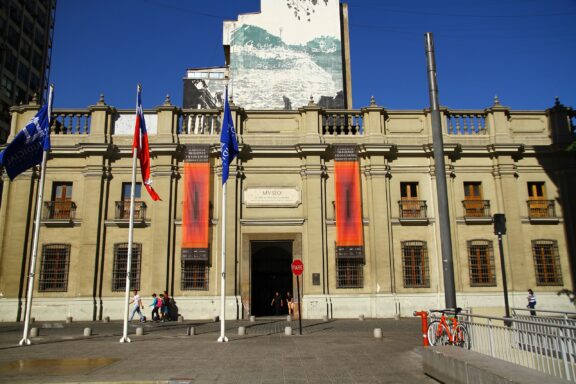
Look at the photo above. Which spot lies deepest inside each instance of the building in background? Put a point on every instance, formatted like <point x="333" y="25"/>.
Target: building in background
<point x="26" y="30"/>
<point x="351" y="193"/>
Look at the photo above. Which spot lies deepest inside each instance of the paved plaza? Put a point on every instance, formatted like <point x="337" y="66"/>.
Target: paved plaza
<point x="336" y="351"/>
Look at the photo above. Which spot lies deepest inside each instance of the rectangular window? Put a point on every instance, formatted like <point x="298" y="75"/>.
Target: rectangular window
<point x="62" y="205"/>
<point x="415" y="264"/>
<point x="409" y="191"/>
<point x="195" y="275"/>
<point x="126" y="188"/>
<point x="124" y="204"/>
<point x="481" y="263"/>
<point x="349" y="273"/>
<point x="546" y="262"/>
<point x="538" y="206"/>
<point x="473" y="190"/>
<point x="54" y="268"/>
<point x="120" y="264"/>
<point x="474" y="206"/>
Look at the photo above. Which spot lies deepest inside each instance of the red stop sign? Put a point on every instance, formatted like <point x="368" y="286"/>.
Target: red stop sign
<point x="297" y="267"/>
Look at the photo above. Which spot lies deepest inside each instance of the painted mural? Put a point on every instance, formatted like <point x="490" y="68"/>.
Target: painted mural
<point x="285" y="54"/>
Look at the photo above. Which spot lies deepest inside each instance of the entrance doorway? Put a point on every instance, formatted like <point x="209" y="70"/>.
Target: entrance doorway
<point x="271" y="273"/>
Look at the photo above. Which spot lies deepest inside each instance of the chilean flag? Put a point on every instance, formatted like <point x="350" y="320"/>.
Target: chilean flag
<point x="141" y="145"/>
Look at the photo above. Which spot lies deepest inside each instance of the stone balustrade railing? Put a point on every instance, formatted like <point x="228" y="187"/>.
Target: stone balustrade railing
<point x="465" y="122"/>
<point x="70" y="122"/>
<point x="496" y="124"/>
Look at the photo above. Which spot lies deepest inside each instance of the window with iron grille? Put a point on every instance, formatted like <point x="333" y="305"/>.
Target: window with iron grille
<point x="481" y="263"/>
<point x="120" y="264"/>
<point x="349" y="273"/>
<point x="54" y="268"/>
<point x="195" y="275"/>
<point x="415" y="264"/>
<point x="546" y="262"/>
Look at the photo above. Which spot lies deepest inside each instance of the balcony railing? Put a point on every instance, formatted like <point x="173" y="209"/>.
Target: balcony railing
<point x="123" y="210"/>
<point x="201" y="122"/>
<point x="466" y="123"/>
<point x="71" y="122"/>
<point x="59" y="210"/>
<point x="476" y="208"/>
<point x="412" y="209"/>
<point x="342" y="122"/>
<point x="541" y="209"/>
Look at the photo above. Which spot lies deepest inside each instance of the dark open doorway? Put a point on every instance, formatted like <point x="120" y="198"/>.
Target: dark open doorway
<point x="271" y="272"/>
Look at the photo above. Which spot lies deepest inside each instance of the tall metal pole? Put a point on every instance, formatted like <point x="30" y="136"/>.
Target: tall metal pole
<point x="25" y="339"/>
<point x="440" y="170"/>
<point x="125" y="338"/>
<point x="223" y="337"/>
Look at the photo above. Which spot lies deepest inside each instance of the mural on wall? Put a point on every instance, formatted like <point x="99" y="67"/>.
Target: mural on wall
<point x="289" y="52"/>
<point x="203" y="93"/>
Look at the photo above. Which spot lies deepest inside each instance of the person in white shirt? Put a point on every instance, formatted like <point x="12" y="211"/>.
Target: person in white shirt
<point x="137" y="305"/>
<point x="531" y="302"/>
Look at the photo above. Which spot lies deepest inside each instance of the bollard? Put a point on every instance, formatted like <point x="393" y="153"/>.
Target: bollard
<point x="378" y="333"/>
<point x="139" y="331"/>
<point x="241" y="331"/>
<point x="215" y="319"/>
<point x="361" y="317"/>
<point x="180" y="318"/>
<point x="87" y="332"/>
<point x="107" y="319"/>
<point x="325" y="318"/>
<point x="252" y="319"/>
<point x="190" y="331"/>
<point x="288" y="318"/>
<point x="424" y="321"/>
<point x="68" y="319"/>
<point x="34" y="332"/>
<point x="32" y="320"/>
<point x="288" y="331"/>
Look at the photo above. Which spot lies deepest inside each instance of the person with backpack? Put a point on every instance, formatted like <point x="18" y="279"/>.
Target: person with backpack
<point x="155" y="307"/>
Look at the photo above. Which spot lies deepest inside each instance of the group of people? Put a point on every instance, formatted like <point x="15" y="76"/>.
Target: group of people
<point x="163" y="307"/>
<point x="278" y="303"/>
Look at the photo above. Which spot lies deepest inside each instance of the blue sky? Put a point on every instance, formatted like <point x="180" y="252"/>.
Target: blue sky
<point x="524" y="51"/>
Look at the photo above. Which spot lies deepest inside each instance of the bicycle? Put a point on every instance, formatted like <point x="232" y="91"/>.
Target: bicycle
<point x="447" y="330"/>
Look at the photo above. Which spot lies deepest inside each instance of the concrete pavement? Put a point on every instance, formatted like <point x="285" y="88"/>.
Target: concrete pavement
<point x="337" y="351"/>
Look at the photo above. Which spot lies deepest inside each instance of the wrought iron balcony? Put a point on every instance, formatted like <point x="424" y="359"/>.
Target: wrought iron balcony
<point x="123" y="210"/>
<point x="541" y="209"/>
<point x="476" y="208"/>
<point x="413" y="211"/>
<point x="59" y="210"/>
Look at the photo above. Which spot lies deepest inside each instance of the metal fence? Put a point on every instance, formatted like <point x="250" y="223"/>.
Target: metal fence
<point x="545" y="343"/>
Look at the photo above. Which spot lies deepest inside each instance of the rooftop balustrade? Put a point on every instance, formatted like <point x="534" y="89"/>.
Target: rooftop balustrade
<point x="99" y="124"/>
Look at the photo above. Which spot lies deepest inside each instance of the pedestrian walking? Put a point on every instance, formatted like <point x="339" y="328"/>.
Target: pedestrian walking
<point x="155" y="308"/>
<point x="531" y="302"/>
<point x="137" y="306"/>
<point x="277" y="303"/>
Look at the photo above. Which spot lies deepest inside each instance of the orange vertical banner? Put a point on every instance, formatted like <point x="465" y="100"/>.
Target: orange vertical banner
<point x="349" y="226"/>
<point x="196" y="202"/>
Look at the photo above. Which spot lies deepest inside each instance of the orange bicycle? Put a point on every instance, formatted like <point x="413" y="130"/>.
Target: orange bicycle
<point x="447" y="330"/>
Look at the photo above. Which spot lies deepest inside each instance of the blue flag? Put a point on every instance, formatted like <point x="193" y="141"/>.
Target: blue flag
<point x="228" y="143"/>
<point x="25" y="151"/>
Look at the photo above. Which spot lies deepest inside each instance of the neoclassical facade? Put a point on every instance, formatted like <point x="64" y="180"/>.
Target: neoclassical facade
<point x="282" y="203"/>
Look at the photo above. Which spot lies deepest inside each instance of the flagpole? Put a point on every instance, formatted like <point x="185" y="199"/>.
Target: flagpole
<point x="25" y="339"/>
<point x="125" y="338"/>
<point x="223" y="337"/>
